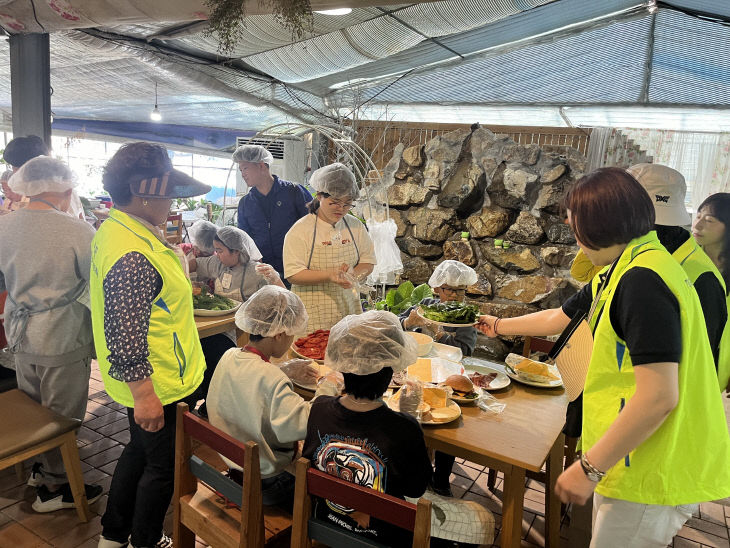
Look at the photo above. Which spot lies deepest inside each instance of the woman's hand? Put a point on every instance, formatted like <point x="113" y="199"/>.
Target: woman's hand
<point x="574" y="486"/>
<point x="148" y="412"/>
<point x="486" y="325"/>
<point x="336" y="276"/>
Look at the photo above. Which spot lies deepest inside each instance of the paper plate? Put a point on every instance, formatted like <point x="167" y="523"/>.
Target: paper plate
<point x="476" y="365"/>
<point x="445" y="415"/>
<point x="204" y="312"/>
<point x="472" y="324"/>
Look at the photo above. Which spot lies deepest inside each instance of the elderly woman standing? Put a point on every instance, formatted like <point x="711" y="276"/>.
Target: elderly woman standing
<point x="44" y="265"/>
<point x="146" y="341"/>
<point x="325" y="244"/>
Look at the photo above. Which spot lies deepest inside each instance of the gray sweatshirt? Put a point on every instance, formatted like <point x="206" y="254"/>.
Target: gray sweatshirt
<point x="45" y="258"/>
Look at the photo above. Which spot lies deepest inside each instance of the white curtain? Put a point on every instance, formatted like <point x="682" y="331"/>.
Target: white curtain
<point x="703" y="158"/>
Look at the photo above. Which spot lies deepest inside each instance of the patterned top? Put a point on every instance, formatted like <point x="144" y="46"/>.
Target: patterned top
<point x="130" y="287"/>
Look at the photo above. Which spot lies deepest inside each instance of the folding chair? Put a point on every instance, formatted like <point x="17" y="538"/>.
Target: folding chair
<point x="203" y="493"/>
<point x="305" y="528"/>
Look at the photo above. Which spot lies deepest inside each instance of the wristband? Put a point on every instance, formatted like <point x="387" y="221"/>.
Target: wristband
<point x="496" y="323"/>
<point x="591" y="472"/>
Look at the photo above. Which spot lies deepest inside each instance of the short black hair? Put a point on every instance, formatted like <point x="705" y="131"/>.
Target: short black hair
<point x="132" y="159"/>
<point x="370" y="386"/>
<point x="255" y="338"/>
<point x="21" y="149"/>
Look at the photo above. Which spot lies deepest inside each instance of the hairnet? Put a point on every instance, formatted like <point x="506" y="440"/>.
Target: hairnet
<point x="272" y="310"/>
<point x="236" y="239"/>
<point x="366" y="343"/>
<point x="42" y="174"/>
<point x="202" y="234"/>
<point x="336" y="180"/>
<point x="453" y="274"/>
<point x="253" y="154"/>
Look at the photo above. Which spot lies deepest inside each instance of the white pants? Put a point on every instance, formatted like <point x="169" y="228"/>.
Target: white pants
<point x="632" y="525"/>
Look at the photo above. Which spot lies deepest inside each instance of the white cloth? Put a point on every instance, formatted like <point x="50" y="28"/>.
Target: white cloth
<point x="298" y="241"/>
<point x="633" y="525"/>
<point x="253" y="400"/>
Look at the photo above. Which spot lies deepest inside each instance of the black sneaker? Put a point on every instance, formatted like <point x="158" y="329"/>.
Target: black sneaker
<point x="36" y="475"/>
<point x="164" y="542"/>
<point x="443" y="490"/>
<point x="50" y="501"/>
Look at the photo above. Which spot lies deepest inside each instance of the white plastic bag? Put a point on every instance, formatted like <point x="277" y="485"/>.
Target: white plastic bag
<point x="388" y="263"/>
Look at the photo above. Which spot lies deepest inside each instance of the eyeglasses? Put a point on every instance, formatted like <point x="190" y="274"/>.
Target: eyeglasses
<point x="453" y="290"/>
<point x="338" y="204"/>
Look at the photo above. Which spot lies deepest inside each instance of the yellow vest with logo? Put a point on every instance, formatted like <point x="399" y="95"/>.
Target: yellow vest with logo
<point x="174" y="346"/>
<point x="687" y="459"/>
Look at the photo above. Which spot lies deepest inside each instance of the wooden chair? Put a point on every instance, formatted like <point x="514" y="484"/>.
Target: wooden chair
<point x="172" y="228"/>
<point x="198" y="506"/>
<point x="30" y="429"/>
<point x="537" y="344"/>
<point x="310" y="481"/>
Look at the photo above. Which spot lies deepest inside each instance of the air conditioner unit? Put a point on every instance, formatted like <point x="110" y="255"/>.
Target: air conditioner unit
<point x="290" y="158"/>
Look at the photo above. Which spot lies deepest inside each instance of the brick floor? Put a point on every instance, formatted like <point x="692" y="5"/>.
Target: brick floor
<point x="104" y="434"/>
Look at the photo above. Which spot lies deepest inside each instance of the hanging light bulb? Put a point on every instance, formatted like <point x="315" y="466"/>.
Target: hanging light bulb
<point x="155" y="114"/>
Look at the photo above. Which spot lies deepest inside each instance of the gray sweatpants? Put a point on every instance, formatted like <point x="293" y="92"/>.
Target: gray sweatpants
<point x="65" y="390"/>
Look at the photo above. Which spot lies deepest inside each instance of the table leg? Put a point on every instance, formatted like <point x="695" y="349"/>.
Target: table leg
<point x="553" y="467"/>
<point x="514" y="494"/>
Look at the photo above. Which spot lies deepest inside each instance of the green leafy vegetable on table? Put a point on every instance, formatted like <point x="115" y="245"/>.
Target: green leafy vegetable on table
<point x="401" y="299"/>
<point x="451" y="312"/>
<point x="209" y="301"/>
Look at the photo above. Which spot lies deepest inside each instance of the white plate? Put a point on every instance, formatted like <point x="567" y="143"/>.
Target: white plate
<point x="483" y="366"/>
<point x="453" y="406"/>
<point x="204" y="312"/>
<point x="323" y="370"/>
<point x="420" y="313"/>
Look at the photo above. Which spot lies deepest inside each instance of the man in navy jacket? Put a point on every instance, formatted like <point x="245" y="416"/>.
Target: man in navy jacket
<point x="272" y="205"/>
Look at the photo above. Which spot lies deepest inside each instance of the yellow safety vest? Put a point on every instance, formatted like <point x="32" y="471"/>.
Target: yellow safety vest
<point x="174" y="346"/>
<point x="687" y="460"/>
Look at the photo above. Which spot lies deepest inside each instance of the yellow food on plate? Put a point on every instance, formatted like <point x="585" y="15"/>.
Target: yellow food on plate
<point x="536" y="371"/>
<point x="436" y="397"/>
<point x="421" y="370"/>
<point x="445" y="414"/>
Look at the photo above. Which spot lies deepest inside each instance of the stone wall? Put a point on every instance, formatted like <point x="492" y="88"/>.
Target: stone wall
<point x="495" y="189"/>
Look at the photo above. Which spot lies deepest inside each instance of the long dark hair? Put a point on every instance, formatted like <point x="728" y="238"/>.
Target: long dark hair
<point x="718" y="205"/>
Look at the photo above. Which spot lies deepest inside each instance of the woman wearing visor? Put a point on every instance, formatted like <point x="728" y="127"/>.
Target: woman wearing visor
<point x="325" y="245"/>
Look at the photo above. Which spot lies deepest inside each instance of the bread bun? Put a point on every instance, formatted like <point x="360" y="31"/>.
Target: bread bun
<point x="460" y="383"/>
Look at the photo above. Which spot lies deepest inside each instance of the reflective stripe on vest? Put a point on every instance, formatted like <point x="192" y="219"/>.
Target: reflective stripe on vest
<point x="175" y="353"/>
<point x="687" y="460"/>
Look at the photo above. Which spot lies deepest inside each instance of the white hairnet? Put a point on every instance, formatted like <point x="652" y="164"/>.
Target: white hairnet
<point x="42" y="174"/>
<point x="236" y="239"/>
<point x="336" y="180"/>
<point x="253" y="154"/>
<point x="202" y="234"/>
<point x="272" y="310"/>
<point x="453" y="274"/>
<point x="366" y="343"/>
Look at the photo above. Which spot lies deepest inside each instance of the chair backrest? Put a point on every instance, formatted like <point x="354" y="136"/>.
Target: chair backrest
<point x="313" y="482"/>
<point x="173" y="233"/>
<point x="536" y="344"/>
<point x="190" y="468"/>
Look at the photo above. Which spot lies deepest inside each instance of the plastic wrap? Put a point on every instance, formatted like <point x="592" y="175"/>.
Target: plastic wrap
<point x="388" y="263"/>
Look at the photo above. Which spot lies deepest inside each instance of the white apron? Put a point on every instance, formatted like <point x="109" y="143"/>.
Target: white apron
<point x="327" y="303"/>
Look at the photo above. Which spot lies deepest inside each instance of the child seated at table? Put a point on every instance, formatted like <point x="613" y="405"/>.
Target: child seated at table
<point x="234" y="272"/>
<point x="253" y="400"/>
<point x="357" y="437"/>
<point x="449" y="282"/>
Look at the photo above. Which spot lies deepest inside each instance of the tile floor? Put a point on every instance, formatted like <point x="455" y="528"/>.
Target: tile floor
<point x="104" y="433"/>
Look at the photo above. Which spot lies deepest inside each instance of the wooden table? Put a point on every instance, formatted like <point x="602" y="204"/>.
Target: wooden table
<point x="526" y="435"/>
<point x="213" y="325"/>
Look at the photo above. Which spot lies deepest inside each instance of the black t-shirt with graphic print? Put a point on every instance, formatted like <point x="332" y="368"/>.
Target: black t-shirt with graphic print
<point x="380" y="449"/>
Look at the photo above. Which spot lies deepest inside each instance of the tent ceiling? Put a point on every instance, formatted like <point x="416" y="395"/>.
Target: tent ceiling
<point x="106" y="57"/>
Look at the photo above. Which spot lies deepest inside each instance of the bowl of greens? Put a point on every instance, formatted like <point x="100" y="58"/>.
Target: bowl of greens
<point x="209" y="304"/>
<point x="451" y="314"/>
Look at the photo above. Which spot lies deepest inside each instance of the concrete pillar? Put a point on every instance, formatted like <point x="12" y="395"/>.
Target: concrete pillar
<point x="30" y="85"/>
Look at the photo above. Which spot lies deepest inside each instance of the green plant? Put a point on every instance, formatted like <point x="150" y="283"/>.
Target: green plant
<point x="227" y="19"/>
<point x="401" y="299"/>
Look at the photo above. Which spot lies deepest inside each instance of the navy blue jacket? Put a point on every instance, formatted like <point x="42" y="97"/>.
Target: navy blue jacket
<point x="289" y="204"/>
